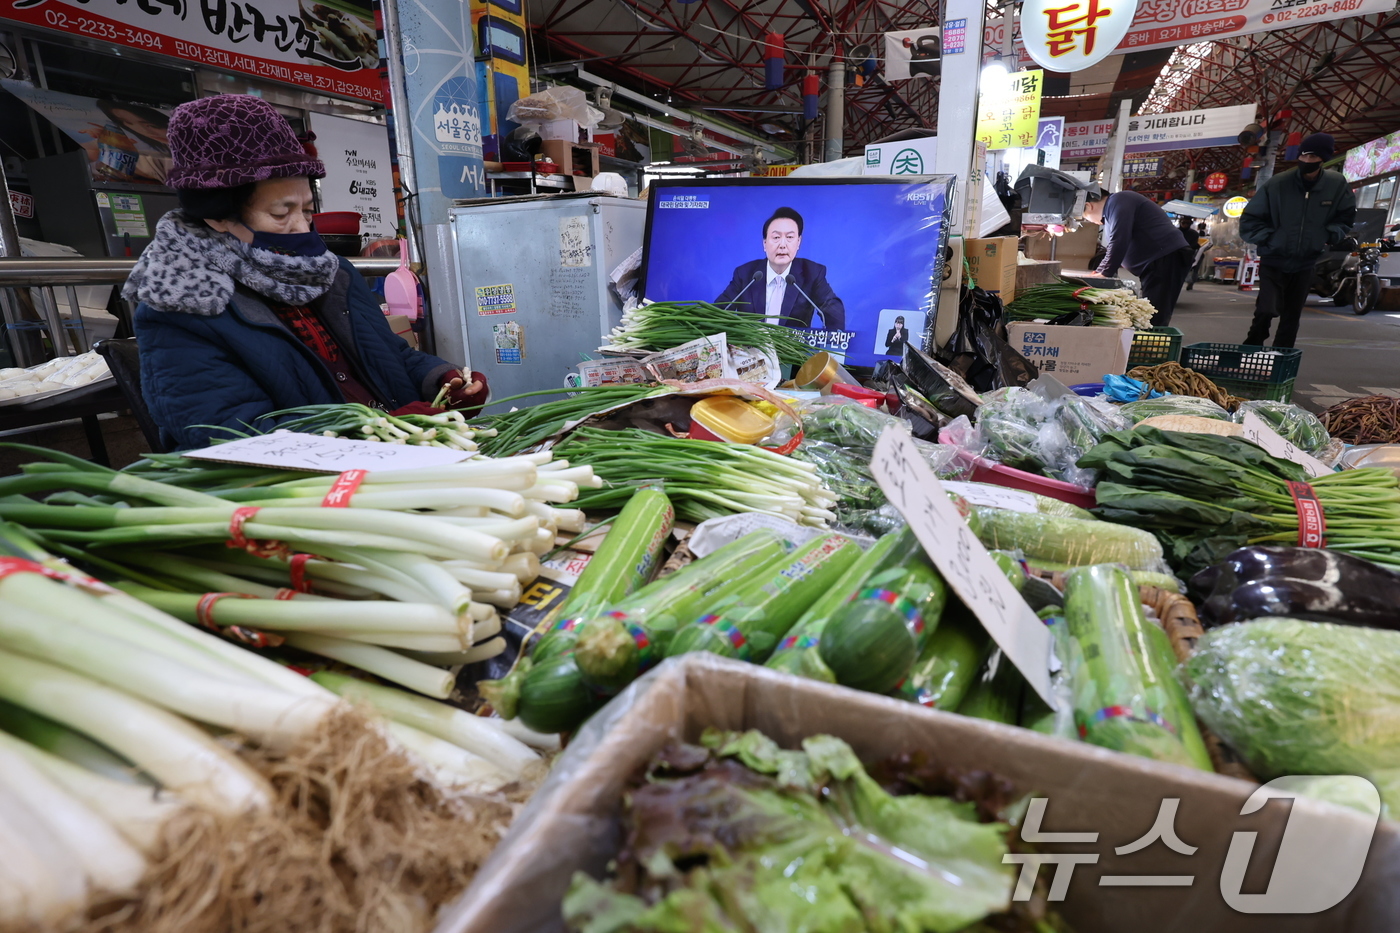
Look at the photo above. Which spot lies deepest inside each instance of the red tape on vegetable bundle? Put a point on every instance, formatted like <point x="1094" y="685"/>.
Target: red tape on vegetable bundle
<point x="298" y="570"/>
<point x="236" y="540"/>
<point x="343" y="488"/>
<point x="204" y="615"/>
<point x="1312" y="523"/>
<point x="13" y="565"/>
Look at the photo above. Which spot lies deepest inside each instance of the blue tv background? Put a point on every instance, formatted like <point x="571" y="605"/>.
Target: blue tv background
<point x="880" y="246"/>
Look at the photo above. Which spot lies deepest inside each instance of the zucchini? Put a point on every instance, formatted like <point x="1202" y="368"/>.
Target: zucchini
<point x="553" y="697"/>
<point x="749" y="621"/>
<point x="1071" y="541"/>
<point x="617" y="646"/>
<point x="996" y="695"/>
<point x="873" y="640"/>
<point x="950" y="662"/>
<point x="1126" y="695"/>
<point x="797" y="652"/>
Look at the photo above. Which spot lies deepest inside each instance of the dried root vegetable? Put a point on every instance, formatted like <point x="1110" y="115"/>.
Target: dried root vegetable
<point x="1374" y="419"/>
<point x="1175" y="378"/>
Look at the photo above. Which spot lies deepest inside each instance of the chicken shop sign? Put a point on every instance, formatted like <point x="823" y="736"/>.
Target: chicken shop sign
<point x="329" y="49"/>
<point x="1071" y="35"/>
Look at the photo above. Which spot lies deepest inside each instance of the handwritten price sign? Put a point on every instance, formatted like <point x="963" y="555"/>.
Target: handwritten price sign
<point x="287" y="450"/>
<point x="912" y="488"/>
<point x="1256" y="431"/>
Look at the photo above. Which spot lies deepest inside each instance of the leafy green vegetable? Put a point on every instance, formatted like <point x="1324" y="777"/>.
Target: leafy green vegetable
<point x="1146" y="408"/>
<point x="1296" y="697"/>
<point x="754" y="837"/>
<point x="1290" y="422"/>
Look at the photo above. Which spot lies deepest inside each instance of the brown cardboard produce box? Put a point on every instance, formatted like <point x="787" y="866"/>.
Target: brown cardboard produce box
<point x="1071" y="354"/>
<point x="401" y="325"/>
<point x="572" y="822"/>
<point x="992" y="262"/>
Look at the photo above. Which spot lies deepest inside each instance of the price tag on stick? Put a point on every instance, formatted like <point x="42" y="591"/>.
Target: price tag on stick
<point x="1257" y="431"/>
<point x="912" y="488"/>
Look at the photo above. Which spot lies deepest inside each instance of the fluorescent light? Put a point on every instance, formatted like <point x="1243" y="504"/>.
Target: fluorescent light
<point x="995" y="70"/>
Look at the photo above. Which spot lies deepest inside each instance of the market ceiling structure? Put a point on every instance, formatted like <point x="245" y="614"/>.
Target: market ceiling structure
<point x="1339" y="76"/>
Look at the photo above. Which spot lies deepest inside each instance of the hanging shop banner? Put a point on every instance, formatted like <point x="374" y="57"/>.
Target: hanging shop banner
<point x="914" y="52"/>
<point x="1163" y="24"/>
<point x="1049" y="140"/>
<point x="1071" y="35"/>
<point x="1086" y="140"/>
<point x="322" y="45"/>
<point x="359" y="172"/>
<point x="1195" y="129"/>
<point x="1008" y="113"/>
<point x="1142" y="168"/>
<point x="1377" y="157"/>
<point x="1235" y="206"/>
<point x="124" y="142"/>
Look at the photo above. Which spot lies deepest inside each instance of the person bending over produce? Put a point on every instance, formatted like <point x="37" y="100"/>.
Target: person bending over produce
<point x="1139" y="236"/>
<point x="243" y="311"/>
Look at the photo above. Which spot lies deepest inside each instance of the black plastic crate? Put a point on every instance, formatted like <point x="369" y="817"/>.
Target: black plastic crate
<point x="1155" y="345"/>
<point x="1270" y="365"/>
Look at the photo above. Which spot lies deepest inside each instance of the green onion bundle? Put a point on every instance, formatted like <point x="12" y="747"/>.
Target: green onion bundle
<point x="361" y="423"/>
<point x="1112" y="307"/>
<point x="704" y="479"/>
<point x="511" y="432"/>
<point x="666" y="324"/>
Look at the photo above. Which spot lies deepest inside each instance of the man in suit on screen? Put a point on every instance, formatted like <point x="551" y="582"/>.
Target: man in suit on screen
<point x="781" y="287"/>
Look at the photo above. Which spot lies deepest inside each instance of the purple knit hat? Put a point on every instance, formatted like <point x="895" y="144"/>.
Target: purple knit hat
<point x="232" y="140"/>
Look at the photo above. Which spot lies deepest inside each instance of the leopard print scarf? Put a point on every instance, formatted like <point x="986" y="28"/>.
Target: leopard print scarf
<point x="190" y="268"/>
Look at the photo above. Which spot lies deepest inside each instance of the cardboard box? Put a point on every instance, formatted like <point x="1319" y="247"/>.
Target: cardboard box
<point x="572" y="822"/>
<point x="1072" y="355"/>
<point x="566" y="130"/>
<point x="1037" y="272"/>
<point x="401" y="325"/>
<point x="992" y="262"/>
<point x="572" y="158"/>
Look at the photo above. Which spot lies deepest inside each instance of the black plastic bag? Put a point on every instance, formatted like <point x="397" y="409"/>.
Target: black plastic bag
<point x="979" y="351"/>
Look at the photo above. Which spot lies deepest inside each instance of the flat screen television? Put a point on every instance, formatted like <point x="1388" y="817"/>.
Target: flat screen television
<point x="855" y="262"/>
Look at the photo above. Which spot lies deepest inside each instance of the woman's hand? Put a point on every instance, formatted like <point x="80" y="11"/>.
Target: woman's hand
<point x="465" y="393"/>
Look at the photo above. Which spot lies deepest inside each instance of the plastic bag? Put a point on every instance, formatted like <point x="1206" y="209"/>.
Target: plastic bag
<point x="1174" y="405"/>
<point x="1127" y="389"/>
<point x="556" y="103"/>
<point x="940" y="386"/>
<point x="1030" y="431"/>
<point x="979" y="351"/>
<point x="1299" y="426"/>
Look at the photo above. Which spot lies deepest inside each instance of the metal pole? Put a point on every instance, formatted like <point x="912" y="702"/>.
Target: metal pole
<point x="835" y="109"/>
<point x="402" y="117"/>
<point x="9" y="233"/>
<point x="1114" y="181"/>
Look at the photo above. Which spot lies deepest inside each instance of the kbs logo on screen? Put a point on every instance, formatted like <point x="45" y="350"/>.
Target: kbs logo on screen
<point x="1320" y="858"/>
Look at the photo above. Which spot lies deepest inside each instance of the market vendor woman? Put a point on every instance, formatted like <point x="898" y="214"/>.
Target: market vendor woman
<point x="243" y="311"/>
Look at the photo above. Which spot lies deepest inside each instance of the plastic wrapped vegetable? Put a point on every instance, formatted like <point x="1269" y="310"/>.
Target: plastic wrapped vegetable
<point x="1173" y="405"/>
<point x="949" y="664"/>
<point x="797" y="653"/>
<point x="1071" y="541"/>
<point x="996" y="695"/>
<point x="1296" y="697"/>
<point x="872" y="641"/>
<point x="1038" y="717"/>
<point x="613" y="648"/>
<point x="1298" y="425"/>
<point x="1300" y="583"/>
<point x="747" y="622"/>
<point x="1126" y="697"/>
<point x="1084" y="423"/>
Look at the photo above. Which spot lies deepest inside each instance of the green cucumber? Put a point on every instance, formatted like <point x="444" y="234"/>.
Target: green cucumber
<point x="949" y="663"/>
<point x="797" y="652"/>
<point x="872" y="642"/>
<point x="553" y="697"/>
<point x="996" y="698"/>
<point x="615" y="647"/>
<point x="750" y="620"/>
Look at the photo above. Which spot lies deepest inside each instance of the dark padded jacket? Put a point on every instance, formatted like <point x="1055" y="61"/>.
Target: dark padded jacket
<point x="235" y="367"/>
<point x="1291" y="225"/>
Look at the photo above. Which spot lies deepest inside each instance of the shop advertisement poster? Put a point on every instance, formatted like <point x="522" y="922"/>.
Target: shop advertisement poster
<point x="1168" y="23"/>
<point x="21" y="204"/>
<point x="1086" y="140"/>
<point x="1143" y="168"/>
<point x="1194" y="129"/>
<point x="1008" y="113"/>
<point x="1377" y="157"/>
<point x="912" y="53"/>
<point x="359" y="172"/>
<point x="322" y="45"/>
<point x="495" y="299"/>
<point x="509" y="340"/>
<point x="124" y="142"/>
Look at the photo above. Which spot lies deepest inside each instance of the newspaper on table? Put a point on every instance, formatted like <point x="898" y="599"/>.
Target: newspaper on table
<point x="695" y="361"/>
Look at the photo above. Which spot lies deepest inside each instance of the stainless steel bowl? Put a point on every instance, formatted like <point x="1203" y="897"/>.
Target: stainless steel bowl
<point x="1372" y="455"/>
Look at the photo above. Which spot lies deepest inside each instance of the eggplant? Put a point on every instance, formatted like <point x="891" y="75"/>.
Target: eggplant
<point x="1300" y="583"/>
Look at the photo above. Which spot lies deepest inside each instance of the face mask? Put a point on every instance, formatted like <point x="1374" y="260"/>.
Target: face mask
<point x="1309" y="168"/>
<point x="306" y="244"/>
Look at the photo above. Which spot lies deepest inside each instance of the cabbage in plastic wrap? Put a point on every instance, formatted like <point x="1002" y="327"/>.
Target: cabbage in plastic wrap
<point x="1295" y="697"/>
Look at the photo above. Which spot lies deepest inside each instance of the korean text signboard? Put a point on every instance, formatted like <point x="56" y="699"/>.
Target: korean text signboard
<point x="1008" y="115"/>
<point x="1086" y="140"/>
<point x="1195" y="129"/>
<point x="1169" y="23"/>
<point x="358" y="173"/>
<point x="327" y="46"/>
<point x="1071" y="35"/>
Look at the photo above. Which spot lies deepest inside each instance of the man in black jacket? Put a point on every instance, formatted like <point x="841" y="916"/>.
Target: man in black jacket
<point x="781" y="287"/>
<point x="1292" y="219"/>
<point x="1139" y="236"/>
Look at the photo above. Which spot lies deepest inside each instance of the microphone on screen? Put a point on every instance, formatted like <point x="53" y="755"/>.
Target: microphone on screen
<point x="757" y="277"/>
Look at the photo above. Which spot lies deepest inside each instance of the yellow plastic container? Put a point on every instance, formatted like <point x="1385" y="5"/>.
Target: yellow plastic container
<point x="726" y="418"/>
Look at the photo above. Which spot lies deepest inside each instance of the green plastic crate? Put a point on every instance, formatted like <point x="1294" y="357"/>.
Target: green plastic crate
<point x="1155" y="345"/>
<point x="1258" y="391"/>
<point x="1242" y="363"/>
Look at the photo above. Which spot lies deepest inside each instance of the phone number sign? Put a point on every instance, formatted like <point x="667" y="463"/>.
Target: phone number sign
<point x="328" y="49"/>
